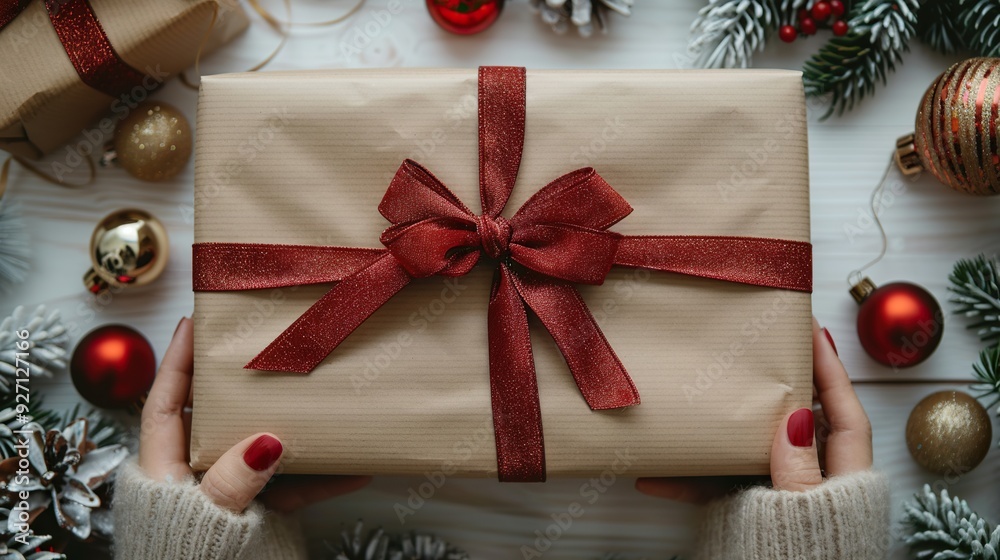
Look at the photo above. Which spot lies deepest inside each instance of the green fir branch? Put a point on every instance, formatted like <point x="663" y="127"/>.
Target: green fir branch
<point x="942" y="527"/>
<point x="976" y="285"/>
<point x="987" y="373"/>
<point x="727" y="33"/>
<point x="980" y="24"/>
<point x="938" y="25"/>
<point x="849" y="68"/>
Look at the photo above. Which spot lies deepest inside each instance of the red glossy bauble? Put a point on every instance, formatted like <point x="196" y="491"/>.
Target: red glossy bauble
<point x="113" y="366"/>
<point x="899" y="324"/>
<point x="807" y="26"/>
<point x="821" y="11"/>
<point x="465" y="17"/>
<point x="787" y="33"/>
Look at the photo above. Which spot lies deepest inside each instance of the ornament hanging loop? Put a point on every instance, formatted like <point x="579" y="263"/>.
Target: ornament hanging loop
<point x="855" y="278"/>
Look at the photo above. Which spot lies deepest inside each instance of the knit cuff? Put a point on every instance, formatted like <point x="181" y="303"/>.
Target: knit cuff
<point x="170" y="520"/>
<point x="845" y="518"/>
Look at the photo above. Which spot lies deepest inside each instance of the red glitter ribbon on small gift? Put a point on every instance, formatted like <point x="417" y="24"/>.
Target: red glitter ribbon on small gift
<point x="558" y="238"/>
<point x="87" y="45"/>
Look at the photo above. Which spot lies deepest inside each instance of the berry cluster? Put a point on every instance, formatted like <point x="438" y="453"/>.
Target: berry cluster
<point x="820" y="14"/>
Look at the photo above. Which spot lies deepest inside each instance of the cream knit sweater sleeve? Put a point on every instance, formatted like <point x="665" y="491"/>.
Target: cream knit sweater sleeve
<point x="845" y="518"/>
<point x="175" y="520"/>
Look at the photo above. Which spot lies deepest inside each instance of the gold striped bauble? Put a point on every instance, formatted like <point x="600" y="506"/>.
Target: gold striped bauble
<point x="955" y="136"/>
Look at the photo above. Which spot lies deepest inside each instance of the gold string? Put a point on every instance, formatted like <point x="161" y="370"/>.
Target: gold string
<point x="5" y="172"/>
<point x="278" y="25"/>
<point x="855" y="275"/>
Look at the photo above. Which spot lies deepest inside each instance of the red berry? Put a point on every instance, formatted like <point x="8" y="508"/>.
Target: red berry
<point x="803" y="14"/>
<point x="840" y="28"/>
<point x="821" y="11"/>
<point x="837" y="8"/>
<point x="807" y="26"/>
<point x="787" y="33"/>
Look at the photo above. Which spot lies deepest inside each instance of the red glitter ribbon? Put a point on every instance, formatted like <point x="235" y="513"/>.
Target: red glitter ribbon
<point x="86" y="44"/>
<point x="559" y="237"/>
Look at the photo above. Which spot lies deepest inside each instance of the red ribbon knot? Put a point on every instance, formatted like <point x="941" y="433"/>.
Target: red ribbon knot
<point x="558" y="238"/>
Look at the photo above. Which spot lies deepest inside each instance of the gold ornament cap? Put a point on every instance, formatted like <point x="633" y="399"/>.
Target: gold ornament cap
<point x="906" y="156"/>
<point x="863" y="289"/>
<point x="129" y="247"/>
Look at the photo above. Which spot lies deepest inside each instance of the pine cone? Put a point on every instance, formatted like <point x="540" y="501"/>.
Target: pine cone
<point x="582" y="14"/>
<point x="416" y="546"/>
<point x="355" y="545"/>
<point x="65" y="468"/>
<point x="24" y="546"/>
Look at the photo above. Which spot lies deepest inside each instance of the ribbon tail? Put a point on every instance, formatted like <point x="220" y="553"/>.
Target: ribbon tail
<point x="330" y="320"/>
<point x="598" y="372"/>
<point x="517" y="416"/>
<point x="758" y="261"/>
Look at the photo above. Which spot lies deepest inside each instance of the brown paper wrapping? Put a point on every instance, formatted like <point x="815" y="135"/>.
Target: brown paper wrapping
<point x="44" y="102"/>
<point x="305" y="157"/>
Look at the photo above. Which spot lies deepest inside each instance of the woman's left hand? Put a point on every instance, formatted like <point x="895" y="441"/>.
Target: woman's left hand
<point x="240" y="474"/>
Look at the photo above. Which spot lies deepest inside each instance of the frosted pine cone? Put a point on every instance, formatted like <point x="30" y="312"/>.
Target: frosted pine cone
<point x="377" y="545"/>
<point x="582" y="14"/>
<point x="46" y="338"/>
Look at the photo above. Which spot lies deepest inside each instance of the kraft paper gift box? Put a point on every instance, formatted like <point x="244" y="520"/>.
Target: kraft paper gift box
<point x="304" y="158"/>
<point x="46" y="101"/>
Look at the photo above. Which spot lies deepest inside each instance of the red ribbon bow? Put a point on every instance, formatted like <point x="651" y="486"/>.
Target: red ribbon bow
<point x="557" y="238"/>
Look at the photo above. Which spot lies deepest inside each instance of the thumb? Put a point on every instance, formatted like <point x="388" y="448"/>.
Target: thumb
<point x="239" y="475"/>
<point x="794" y="463"/>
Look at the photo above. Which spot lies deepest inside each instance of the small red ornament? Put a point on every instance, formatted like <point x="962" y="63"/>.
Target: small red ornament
<point x="787" y="33"/>
<point x="465" y="17"/>
<point x="113" y="366"/>
<point x="837" y="8"/>
<point x="899" y="324"/>
<point x="840" y="28"/>
<point x="807" y="26"/>
<point x="821" y="11"/>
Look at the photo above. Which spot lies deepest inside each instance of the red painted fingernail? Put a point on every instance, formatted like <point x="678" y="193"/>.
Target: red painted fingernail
<point x="832" y="343"/>
<point x="262" y="453"/>
<point x="800" y="428"/>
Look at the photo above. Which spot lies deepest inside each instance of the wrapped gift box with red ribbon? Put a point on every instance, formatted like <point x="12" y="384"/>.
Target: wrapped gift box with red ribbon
<point x="502" y="273"/>
<point x="67" y="63"/>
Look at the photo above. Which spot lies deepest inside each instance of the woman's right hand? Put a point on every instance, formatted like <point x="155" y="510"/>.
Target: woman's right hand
<point x="846" y="435"/>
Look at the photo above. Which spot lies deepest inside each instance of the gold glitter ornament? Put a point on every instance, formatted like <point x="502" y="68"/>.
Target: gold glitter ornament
<point x="949" y="433"/>
<point x="152" y="143"/>
<point x="955" y="136"/>
<point x="128" y="248"/>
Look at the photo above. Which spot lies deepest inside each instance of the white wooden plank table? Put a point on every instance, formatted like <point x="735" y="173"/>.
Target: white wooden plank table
<point x="929" y="228"/>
